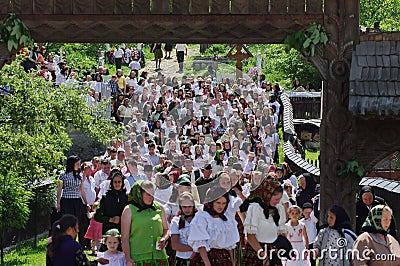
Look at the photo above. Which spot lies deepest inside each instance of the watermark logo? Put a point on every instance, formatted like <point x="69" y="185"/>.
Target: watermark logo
<point x="341" y="242"/>
<point x="331" y="253"/>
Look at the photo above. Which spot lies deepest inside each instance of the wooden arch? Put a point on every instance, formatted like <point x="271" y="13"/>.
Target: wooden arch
<point x="225" y="21"/>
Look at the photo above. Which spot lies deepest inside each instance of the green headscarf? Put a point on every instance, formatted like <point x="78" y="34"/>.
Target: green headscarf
<point x="217" y="156"/>
<point x="135" y="197"/>
<point x="373" y="222"/>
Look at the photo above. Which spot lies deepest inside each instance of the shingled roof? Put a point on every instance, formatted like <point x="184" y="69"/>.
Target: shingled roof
<point x="375" y="76"/>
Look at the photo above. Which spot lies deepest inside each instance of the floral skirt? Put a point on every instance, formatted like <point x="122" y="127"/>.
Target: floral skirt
<point x="217" y="257"/>
<point x="250" y="257"/>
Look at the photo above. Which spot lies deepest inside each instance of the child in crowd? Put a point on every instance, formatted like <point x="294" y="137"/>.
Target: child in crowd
<point x="94" y="230"/>
<point x="112" y="256"/>
<point x="297" y="235"/>
<point x="311" y="225"/>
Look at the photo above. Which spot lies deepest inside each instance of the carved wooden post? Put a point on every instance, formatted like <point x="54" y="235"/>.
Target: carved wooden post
<point x="338" y="127"/>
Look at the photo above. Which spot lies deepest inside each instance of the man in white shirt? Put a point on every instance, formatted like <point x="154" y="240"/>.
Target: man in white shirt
<point x="181" y="51"/>
<point x="102" y="174"/>
<point x="118" y="57"/>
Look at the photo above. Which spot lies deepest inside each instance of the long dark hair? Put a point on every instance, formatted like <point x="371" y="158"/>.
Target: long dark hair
<point x="58" y="230"/>
<point x="70" y="166"/>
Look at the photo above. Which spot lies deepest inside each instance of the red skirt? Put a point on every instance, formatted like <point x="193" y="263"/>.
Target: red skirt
<point x="94" y="231"/>
<point x="217" y="257"/>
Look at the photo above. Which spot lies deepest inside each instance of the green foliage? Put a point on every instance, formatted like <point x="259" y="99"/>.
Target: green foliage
<point x="14" y="32"/>
<point x="353" y="169"/>
<point x="305" y="41"/>
<point x="33" y="137"/>
<point x="387" y="12"/>
<point x="283" y="67"/>
<point x="81" y="56"/>
<point x="217" y="49"/>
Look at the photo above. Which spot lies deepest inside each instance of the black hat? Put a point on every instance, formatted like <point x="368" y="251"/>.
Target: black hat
<point x="207" y="167"/>
<point x="279" y="168"/>
<point x="237" y="166"/>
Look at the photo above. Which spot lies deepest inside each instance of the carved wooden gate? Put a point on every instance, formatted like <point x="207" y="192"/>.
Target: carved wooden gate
<point x="224" y="21"/>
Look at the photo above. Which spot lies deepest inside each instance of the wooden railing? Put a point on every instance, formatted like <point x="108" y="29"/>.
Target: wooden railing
<point x="162" y="7"/>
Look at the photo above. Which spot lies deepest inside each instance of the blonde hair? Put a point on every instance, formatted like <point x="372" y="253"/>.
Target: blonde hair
<point x="294" y="208"/>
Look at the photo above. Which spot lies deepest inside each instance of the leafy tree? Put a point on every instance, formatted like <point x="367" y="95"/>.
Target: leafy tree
<point x="34" y="117"/>
<point x="387" y="12"/>
<point x="283" y="67"/>
<point x="81" y="56"/>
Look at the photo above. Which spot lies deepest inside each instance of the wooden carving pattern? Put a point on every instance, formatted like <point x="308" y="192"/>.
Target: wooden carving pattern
<point x="83" y="6"/>
<point x="296" y="7"/>
<point x="22" y="6"/>
<point x="103" y="7"/>
<point x="160" y="7"/>
<point x="123" y="7"/>
<point x="376" y="139"/>
<point x="5" y="7"/>
<point x="180" y="6"/>
<point x="313" y="6"/>
<point x="43" y="7"/>
<point x="141" y="7"/>
<point x="199" y="7"/>
<point x="63" y="6"/>
<point x="338" y="127"/>
<point x="278" y="7"/>
<point x="191" y="28"/>
<point x="220" y="7"/>
<point x="240" y="7"/>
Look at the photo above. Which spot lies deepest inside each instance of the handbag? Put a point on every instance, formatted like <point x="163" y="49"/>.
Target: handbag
<point x="282" y="243"/>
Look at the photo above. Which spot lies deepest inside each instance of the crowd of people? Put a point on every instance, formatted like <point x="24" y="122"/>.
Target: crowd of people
<point x="196" y="180"/>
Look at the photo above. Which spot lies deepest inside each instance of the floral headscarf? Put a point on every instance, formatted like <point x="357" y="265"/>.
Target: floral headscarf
<point x="373" y="222"/>
<point x="212" y="195"/>
<point x="135" y="197"/>
<point x="265" y="190"/>
<point x="262" y="195"/>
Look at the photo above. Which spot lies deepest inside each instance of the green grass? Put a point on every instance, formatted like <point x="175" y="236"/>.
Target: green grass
<point x="27" y="254"/>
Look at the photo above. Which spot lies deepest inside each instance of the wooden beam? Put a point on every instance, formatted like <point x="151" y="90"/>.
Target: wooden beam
<point x="187" y="28"/>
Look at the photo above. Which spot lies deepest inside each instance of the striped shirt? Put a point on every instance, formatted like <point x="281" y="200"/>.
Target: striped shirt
<point x="71" y="186"/>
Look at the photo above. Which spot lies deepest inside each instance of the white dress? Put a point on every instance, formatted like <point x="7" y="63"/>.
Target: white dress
<point x="295" y="236"/>
<point x="117" y="259"/>
<point x="183" y="236"/>
<point x="209" y="232"/>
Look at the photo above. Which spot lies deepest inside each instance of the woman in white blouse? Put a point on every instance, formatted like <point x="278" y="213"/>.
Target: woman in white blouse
<point x="265" y="217"/>
<point x="213" y="235"/>
<point x="180" y="228"/>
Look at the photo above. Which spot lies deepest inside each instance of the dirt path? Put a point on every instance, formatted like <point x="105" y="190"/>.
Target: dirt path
<point x="169" y="67"/>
